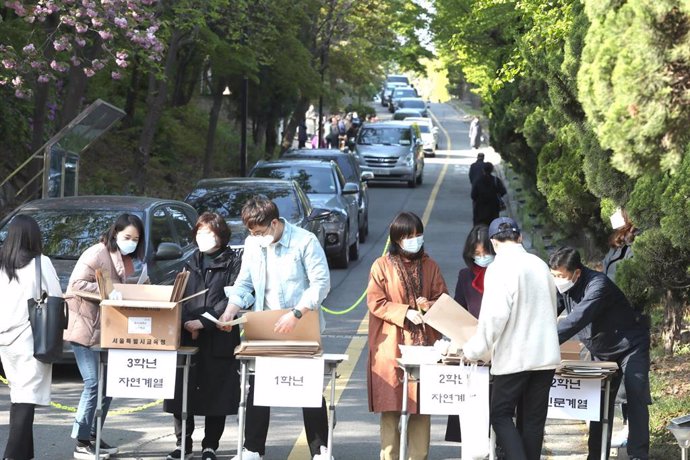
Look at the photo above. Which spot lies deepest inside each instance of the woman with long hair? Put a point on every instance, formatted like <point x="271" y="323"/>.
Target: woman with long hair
<point x="114" y="256"/>
<point x="403" y="285"/>
<point x="29" y="379"/>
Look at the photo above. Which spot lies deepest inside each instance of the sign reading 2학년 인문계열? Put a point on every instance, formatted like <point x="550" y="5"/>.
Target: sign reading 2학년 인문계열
<point x="288" y="382"/>
<point x="146" y="374"/>
<point x="575" y="399"/>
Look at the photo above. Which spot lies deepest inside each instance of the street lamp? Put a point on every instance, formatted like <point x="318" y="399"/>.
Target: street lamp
<point x="682" y="433"/>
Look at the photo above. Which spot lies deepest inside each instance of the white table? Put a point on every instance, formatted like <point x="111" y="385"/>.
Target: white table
<point x="247" y="367"/>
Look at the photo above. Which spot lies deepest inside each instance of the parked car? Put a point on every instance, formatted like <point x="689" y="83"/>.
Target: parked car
<point x="429" y="134"/>
<point x="387" y="90"/>
<point x="416" y="103"/>
<point x="399" y="93"/>
<point x="353" y="173"/>
<point x="325" y="185"/>
<point x="392" y="150"/>
<point x="402" y="114"/>
<point x="398" y="79"/>
<point x="227" y="196"/>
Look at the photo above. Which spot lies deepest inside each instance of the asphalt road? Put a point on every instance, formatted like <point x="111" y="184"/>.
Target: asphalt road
<point x="147" y="433"/>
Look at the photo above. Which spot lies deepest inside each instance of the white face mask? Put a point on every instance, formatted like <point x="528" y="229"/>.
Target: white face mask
<point x="563" y="284"/>
<point x="483" y="261"/>
<point x="206" y="241"/>
<point x="412" y="245"/>
<point x="127" y="246"/>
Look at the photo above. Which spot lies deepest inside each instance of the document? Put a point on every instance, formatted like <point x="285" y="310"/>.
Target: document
<point x="234" y="322"/>
<point x="451" y="319"/>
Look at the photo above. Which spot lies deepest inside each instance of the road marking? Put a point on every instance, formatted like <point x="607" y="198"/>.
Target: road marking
<point x="354" y="350"/>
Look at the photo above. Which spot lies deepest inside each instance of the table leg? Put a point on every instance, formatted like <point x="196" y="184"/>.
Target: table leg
<point x="404" y="417"/>
<point x="605" y="422"/>
<point x="331" y="409"/>
<point x="99" y="404"/>
<point x="242" y="409"/>
<point x="185" y="390"/>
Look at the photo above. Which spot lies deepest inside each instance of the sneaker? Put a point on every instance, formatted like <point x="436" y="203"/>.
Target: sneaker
<point x="248" y="455"/>
<point x="208" y="454"/>
<point x="87" y="451"/>
<point x="620" y="439"/>
<point x="177" y="454"/>
<point x="324" y="455"/>
<point x="105" y="447"/>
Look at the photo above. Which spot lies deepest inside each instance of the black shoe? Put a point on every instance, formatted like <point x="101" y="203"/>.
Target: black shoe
<point x="105" y="447"/>
<point x="208" y="454"/>
<point x="87" y="451"/>
<point x="177" y="454"/>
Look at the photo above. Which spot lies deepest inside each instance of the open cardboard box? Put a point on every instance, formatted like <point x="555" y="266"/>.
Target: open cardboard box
<point x="148" y="316"/>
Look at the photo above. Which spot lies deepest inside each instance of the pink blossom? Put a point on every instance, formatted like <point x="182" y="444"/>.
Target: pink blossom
<point x="97" y="64"/>
<point x="8" y="64"/>
<point x="115" y="75"/>
<point x="80" y="41"/>
<point x="89" y="72"/>
<point x="17" y="81"/>
<point x="36" y="64"/>
<point x="76" y="62"/>
<point x="105" y="34"/>
<point x="96" y="22"/>
<point x="81" y="28"/>
<point x="19" y="94"/>
<point x="120" y="22"/>
<point x="29" y="49"/>
<point x="68" y="20"/>
<point x="43" y="78"/>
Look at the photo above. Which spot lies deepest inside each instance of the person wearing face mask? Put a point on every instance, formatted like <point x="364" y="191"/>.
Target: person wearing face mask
<point x="403" y="285"/>
<point x="214" y="387"/>
<point x="517" y="333"/>
<point x="612" y="330"/>
<point x="114" y="256"/>
<point x="478" y="253"/>
<point x="283" y="268"/>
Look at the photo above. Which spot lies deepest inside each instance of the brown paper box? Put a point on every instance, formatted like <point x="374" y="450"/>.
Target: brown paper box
<point x="570" y="350"/>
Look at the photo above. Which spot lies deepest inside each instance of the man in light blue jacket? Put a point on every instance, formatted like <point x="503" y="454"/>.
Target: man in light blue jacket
<point x="283" y="268"/>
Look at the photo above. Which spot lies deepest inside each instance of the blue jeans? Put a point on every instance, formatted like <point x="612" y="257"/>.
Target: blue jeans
<point x="85" y="421"/>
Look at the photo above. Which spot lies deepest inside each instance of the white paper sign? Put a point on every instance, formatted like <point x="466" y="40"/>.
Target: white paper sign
<point x="145" y="374"/>
<point x="288" y="382"/>
<point x="139" y="325"/>
<point x="442" y="389"/>
<point x="575" y="399"/>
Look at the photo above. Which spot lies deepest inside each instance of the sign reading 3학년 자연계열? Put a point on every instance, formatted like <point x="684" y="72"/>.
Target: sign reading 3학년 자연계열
<point x="146" y="374"/>
<point x="574" y="399"/>
<point x="288" y="382"/>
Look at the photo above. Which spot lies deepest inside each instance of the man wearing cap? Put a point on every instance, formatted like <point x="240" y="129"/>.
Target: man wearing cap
<point x="517" y="333"/>
<point x="476" y="168"/>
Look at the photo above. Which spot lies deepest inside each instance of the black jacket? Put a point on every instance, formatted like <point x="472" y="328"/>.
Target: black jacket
<point x="213" y="380"/>
<point x="485" y="192"/>
<point x="601" y="316"/>
<point x="476" y="170"/>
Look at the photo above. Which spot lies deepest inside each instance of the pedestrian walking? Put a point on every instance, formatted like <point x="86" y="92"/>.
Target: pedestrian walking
<point x="302" y="135"/>
<point x="487" y="195"/>
<point x="475" y="133"/>
<point x="609" y="327"/>
<point x="29" y="379"/>
<point x="524" y="352"/>
<point x="333" y="134"/>
<point x="283" y="268"/>
<point x="403" y="285"/>
<point x="114" y="256"/>
<point x="311" y="120"/>
<point x="477" y="168"/>
<point x="214" y="386"/>
<point x="477" y="254"/>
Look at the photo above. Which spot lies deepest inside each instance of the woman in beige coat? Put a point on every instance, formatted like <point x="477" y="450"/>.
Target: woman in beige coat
<point x="402" y="286"/>
<point x="114" y="256"/>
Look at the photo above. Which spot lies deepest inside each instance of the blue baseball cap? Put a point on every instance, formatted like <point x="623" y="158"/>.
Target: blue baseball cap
<point x="494" y="228"/>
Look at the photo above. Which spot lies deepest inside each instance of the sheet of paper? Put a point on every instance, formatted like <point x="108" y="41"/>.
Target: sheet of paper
<point x="574" y="399"/>
<point x="451" y="319"/>
<point x="146" y="374"/>
<point x="144" y="274"/>
<point x="234" y="322"/>
<point x="288" y="382"/>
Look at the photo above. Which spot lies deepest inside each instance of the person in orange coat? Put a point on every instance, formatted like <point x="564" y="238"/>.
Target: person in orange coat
<point x="402" y="285"/>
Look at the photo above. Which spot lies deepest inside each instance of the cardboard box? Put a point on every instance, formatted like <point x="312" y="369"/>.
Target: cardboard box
<point x="571" y="350"/>
<point x="148" y="317"/>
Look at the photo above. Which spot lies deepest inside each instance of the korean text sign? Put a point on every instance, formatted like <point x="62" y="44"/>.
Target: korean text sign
<point x="288" y="382"/>
<point x="146" y="374"/>
<point x="575" y="399"/>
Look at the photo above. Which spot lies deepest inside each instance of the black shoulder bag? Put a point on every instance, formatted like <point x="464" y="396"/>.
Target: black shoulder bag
<point x="48" y="318"/>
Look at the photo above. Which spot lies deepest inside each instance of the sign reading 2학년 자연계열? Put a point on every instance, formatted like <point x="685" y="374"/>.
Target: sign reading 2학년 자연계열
<point x="574" y="399"/>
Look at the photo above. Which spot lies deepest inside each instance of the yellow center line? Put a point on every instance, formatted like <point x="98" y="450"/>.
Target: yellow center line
<point x="300" y="450"/>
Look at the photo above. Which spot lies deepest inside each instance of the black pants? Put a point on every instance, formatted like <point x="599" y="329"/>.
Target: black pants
<point x="213" y="430"/>
<point x="634" y="371"/>
<point x="20" y="442"/>
<point x="258" y="418"/>
<point x="530" y="390"/>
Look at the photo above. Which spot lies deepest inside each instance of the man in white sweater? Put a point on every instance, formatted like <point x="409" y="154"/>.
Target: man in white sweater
<point x="517" y="332"/>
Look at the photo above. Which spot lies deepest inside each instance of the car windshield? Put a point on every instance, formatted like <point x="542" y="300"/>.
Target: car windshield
<point x="423" y="128"/>
<point x="312" y="179"/>
<point x="413" y="104"/>
<point x="344" y="163"/>
<point x="229" y="200"/>
<point x="376" y="135"/>
<point x="67" y="233"/>
<point x="404" y="92"/>
<point x="397" y="79"/>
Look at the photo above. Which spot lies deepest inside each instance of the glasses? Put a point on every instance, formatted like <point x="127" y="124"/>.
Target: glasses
<point x="260" y="232"/>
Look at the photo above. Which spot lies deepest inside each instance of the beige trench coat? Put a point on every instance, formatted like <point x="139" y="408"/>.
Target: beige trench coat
<point x="388" y="328"/>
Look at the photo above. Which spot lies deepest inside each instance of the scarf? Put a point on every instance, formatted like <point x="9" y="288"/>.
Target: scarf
<point x="410" y="276"/>
<point x="478" y="281"/>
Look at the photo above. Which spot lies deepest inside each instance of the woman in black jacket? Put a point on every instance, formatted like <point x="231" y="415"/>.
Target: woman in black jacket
<point x="214" y="388"/>
<point x="486" y="191"/>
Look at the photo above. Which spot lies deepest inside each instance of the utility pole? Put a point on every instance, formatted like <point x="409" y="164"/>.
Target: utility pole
<point x="243" y="134"/>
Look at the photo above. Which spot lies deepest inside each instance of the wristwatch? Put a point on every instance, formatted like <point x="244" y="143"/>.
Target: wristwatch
<point x="297" y="313"/>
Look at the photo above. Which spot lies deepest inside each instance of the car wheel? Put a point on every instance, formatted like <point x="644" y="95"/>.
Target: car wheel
<point x="420" y="179"/>
<point x="342" y="259"/>
<point x="354" y="248"/>
<point x="364" y="231"/>
<point x="412" y="183"/>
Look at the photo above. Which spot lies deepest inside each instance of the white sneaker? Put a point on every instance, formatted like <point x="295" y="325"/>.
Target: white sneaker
<point x="324" y="455"/>
<point x="620" y="439"/>
<point x="248" y="455"/>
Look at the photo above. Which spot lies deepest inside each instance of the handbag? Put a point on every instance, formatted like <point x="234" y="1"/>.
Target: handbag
<point x="48" y="318"/>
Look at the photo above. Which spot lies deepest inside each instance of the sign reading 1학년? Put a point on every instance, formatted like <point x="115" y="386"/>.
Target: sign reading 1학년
<point x="575" y="399"/>
<point x="288" y="382"/>
<point x="146" y="374"/>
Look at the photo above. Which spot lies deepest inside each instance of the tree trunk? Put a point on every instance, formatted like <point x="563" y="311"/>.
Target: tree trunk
<point x="37" y="138"/>
<point x="217" y="93"/>
<point x="74" y="95"/>
<point x="295" y="119"/>
<point x="271" y="137"/>
<point x="132" y="94"/>
<point x="673" y="320"/>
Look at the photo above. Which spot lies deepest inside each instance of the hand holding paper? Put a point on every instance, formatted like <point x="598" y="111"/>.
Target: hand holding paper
<point x="415" y="316"/>
<point x="224" y="323"/>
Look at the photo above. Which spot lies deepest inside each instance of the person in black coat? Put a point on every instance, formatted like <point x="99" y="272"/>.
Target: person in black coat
<point x="485" y="193"/>
<point x="477" y="168"/>
<point x="214" y="388"/>
<point x="612" y="330"/>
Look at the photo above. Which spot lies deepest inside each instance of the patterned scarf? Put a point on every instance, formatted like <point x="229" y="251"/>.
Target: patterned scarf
<point x="410" y="275"/>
